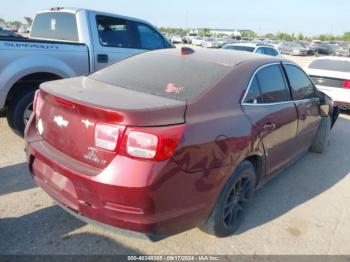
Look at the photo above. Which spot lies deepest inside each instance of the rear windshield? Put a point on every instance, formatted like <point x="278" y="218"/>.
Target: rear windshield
<point x="55" y="26"/>
<point x="175" y="77"/>
<point x="331" y="65"/>
<point x="240" y="48"/>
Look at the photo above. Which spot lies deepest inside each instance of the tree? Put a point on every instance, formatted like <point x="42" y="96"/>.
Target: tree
<point x="29" y="20"/>
<point x="269" y="36"/>
<point x="346" y="36"/>
<point x="301" y="36"/>
<point x="204" y="31"/>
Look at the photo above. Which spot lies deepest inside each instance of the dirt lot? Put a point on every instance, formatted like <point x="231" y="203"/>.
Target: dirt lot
<point x="305" y="210"/>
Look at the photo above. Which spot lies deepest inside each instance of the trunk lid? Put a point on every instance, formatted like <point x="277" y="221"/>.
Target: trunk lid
<point x="73" y="107"/>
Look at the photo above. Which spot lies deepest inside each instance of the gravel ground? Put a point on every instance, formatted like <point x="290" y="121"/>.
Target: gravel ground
<point x="304" y="210"/>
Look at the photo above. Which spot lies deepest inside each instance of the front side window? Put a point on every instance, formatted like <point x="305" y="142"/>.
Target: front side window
<point x="149" y="38"/>
<point x="272" y="85"/>
<point x="259" y="50"/>
<point x="302" y="87"/>
<point x="113" y="32"/>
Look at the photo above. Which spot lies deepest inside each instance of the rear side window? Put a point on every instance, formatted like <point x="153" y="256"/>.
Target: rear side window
<point x="114" y="32"/>
<point x="254" y="93"/>
<point x="302" y="87"/>
<point x="331" y="65"/>
<point x="55" y="26"/>
<point x="272" y="84"/>
<point x="150" y="39"/>
<point x="169" y="76"/>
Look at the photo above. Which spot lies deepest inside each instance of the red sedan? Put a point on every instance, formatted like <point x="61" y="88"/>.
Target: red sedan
<point x="169" y="140"/>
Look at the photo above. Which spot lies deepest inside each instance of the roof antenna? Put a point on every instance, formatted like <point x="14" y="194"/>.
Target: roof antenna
<point x="186" y="50"/>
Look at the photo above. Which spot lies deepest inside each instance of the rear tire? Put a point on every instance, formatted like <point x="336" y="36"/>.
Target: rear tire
<point x="234" y="199"/>
<point x="321" y="139"/>
<point x="19" y="111"/>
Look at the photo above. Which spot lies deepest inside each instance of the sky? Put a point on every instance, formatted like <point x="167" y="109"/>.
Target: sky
<point x="310" y="17"/>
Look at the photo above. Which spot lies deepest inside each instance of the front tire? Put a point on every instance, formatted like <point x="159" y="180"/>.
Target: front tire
<point x="19" y="111"/>
<point x="233" y="201"/>
<point x="321" y="139"/>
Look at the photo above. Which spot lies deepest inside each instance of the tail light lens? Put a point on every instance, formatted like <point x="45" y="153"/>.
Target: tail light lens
<point x="108" y="136"/>
<point x="141" y="145"/>
<point x="38" y="103"/>
<point x="346" y="84"/>
<point x="157" y="143"/>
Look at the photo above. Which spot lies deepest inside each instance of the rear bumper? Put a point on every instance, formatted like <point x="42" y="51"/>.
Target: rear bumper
<point x="157" y="200"/>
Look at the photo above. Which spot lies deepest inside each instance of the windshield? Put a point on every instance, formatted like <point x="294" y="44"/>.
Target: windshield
<point x="331" y="65"/>
<point x="170" y="76"/>
<point x="240" y="48"/>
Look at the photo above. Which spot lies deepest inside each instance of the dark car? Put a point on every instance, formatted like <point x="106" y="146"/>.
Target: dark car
<point x="169" y="140"/>
<point x="7" y="33"/>
<point x="293" y="48"/>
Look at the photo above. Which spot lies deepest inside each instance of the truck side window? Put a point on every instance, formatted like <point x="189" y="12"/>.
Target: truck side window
<point x="149" y="38"/>
<point x="113" y="32"/>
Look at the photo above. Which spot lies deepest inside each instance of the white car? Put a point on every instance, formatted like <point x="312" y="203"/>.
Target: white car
<point x="197" y="41"/>
<point x="210" y="43"/>
<point x="254" y="48"/>
<point x="331" y="75"/>
<point x="176" y="39"/>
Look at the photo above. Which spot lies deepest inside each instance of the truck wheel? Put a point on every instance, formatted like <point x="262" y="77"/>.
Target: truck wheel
<point x="19" y="111"/>
<point x="320" y="142"/>
<point x="233" y="201"/>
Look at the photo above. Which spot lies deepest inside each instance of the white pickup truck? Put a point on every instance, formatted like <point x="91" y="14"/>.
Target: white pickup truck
<point x="66" y="42"/>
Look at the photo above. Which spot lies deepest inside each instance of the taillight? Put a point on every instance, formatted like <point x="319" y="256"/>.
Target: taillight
<point x="38" y="103"/>
<point x="346" y="84"/>
<point x="141" y="145"/>
<point x="158" y="143"/>
<point x="108" y="136"/>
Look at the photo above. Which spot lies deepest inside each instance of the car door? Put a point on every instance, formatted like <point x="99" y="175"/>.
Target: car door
<point x="307" y="103"/>
<point x="268" y="105"/>
<point x="114" y="39"/>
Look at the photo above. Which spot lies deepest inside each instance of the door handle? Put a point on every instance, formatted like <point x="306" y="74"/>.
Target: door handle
<point x="102" y="58"/>
<point x="269" y="127"/>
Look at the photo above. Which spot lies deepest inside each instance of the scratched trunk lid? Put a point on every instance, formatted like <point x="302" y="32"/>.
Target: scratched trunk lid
<point x="72" y="107"/>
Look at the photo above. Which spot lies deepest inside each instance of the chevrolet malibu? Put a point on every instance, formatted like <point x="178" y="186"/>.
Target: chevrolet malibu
<point x="169" y="140"/>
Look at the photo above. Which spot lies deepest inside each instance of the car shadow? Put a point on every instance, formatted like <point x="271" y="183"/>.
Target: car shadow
<point x="311" y="175"/>
<point x="15" y="178"/>
<point x="50" y="231"/>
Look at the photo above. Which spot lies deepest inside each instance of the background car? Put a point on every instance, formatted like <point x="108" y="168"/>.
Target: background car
<point x="176" y="39"/>
<point x="7" y="33"/>
<point x="293" y="48"/>
<point x="254" y="48"/>
<point x="332" y="76"/>
<point x="210" y="43"/>
<point x="198" y="41"/>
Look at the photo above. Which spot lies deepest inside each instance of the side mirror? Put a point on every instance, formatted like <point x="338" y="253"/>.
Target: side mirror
<point x="325" y="104"/>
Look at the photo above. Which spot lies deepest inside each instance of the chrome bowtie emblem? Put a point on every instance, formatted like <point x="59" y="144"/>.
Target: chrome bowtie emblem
<point x="87" y="123"/>
<point x="321" y="81"/>
<point x="60" y="121"/>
